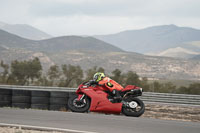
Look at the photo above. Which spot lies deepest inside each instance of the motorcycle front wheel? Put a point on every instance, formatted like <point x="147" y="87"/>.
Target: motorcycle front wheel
<point x="134" y="107"/>
<point x="78" y="106"/>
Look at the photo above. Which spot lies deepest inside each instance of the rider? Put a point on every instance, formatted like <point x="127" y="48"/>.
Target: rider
<point x="110" y="84"/>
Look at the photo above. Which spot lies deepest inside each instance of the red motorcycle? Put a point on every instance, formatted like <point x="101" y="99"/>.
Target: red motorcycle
<point x="97" y="98"/>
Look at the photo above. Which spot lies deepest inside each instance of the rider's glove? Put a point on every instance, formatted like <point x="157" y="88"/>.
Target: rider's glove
<point x="92" y="82"/>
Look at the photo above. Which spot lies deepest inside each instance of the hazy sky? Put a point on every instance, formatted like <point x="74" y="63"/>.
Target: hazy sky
<point x="89" y="17"/>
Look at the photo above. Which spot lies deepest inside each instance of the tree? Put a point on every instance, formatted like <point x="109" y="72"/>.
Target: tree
<point x="194" y="88"/>
<point x="24" y="72"/>
<point x="18" y="72"/>
<point x="116" y="75"/>
<point x="131" y="78"/>
<point x="54" y="74"/>
<point x="72" y="76"/>
<point x="155" y="86"/>
<point x="144" y="84"/>
<point x="168" y="88"/>
<point x="34" y="69"/>
<point x="5" y="74"/>
<point x="183" y="90"/>
<point x="43" y="81"/>
<point x="163" y="88"/>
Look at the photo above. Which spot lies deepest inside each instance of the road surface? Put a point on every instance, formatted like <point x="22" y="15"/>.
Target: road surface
<point x="94" y="122"/>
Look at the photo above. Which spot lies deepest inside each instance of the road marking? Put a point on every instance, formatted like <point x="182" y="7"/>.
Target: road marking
<point x="29" y="127"/>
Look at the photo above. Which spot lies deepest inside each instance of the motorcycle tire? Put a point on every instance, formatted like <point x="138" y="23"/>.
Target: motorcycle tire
<point x="74" y="108"/>
<point x="133" y="111"/>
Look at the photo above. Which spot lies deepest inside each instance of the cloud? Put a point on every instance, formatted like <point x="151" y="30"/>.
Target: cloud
<point x="116" y="7"/>
<point x="65" y="17"/>
<point x="84" y="25"/>
<point x="15" y="11"/>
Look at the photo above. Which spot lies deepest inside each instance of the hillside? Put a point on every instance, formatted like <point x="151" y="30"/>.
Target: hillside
<point x="14" y="47"/>
<point x="67" y="43"/>
<point x="193" y="46"/>
<point x="57" y="44"/>
<point x="88" y="52"/>
<point x="177" y="52"/>
<point x="8" y="40"/>
<point x="153" y="39"/>
<point x="148" y="66"/>
<point x="2" y="48"/>
<point x="187" y="50"/>
<point x="25" y="31"/>
<point x="196" y="57"/>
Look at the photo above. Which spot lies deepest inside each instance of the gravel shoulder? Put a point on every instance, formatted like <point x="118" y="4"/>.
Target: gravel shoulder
<point x="172" y="112"/>
<point x="19" y="130"/>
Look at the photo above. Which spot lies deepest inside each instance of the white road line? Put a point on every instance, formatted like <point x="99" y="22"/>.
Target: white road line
<point x="29" y="127"/>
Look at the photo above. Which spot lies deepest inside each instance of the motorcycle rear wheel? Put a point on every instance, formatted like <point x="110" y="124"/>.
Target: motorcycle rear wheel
<point x="137" y="108"/>
<point x="75" y="106"/>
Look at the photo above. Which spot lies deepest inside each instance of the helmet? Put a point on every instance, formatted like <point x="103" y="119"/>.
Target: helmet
<point x="98" y="76"/>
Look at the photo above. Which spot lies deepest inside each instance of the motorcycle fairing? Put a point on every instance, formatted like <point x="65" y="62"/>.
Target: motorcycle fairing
<point x="100" y="102"/>
<point x="129" y="87"/>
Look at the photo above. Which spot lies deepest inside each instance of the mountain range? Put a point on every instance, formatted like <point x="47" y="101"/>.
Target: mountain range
<point x="14" y="47"/>
<point x="57" y="44"/>
<point x="157" y="40"/>
<point x="25" y="31"/>
<point x="163" y="40"/>
<point x="89" y="51"/>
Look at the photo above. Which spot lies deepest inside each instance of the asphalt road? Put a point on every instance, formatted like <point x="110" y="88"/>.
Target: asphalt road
<point x="95" y="122"/>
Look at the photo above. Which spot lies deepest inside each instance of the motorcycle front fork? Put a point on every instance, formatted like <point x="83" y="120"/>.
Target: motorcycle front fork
<point x="81" y="97"/>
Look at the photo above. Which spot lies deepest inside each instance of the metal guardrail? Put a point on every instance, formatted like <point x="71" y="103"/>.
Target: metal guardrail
<point x="171" y="98"/>
<point x="40" y="88"/>
<point x="147" y="96"/>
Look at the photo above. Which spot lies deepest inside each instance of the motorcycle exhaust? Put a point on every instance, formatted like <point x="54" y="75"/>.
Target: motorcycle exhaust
<point x="134" y="92"/>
